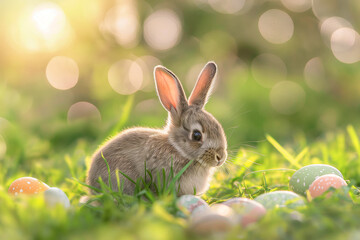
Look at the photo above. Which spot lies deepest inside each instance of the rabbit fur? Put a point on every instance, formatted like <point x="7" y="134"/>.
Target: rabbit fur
<point x="177" y="143"/>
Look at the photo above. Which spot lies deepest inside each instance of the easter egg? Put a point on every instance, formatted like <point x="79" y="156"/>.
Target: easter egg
<point x="27" y="185"/>
<point x="280" y="199"/>
<point x="54" y="196"/>
<point x="211" y="221"/>
<point x="190" y="204"/>
<point x="247" y="211"/>
<point x="222" y="209"/>
<point x="302" y="178"/>
<point x="323" y="183"/>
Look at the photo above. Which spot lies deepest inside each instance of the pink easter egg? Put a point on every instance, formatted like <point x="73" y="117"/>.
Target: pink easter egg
<point x="323" y="183"/>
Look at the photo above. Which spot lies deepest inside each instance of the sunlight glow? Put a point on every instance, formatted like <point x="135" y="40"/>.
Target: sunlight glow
<point x="49" y="19"/>
<point x="276" y="26"/>
<point x="62" y="72"/>
<point x="125" y="76"/>
<point x="162" y="29"/>
<point x="43" y="29"/>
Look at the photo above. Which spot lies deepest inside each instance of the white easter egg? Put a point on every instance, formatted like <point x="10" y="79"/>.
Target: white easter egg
<point x="54" y="196"/>
<point x="302" y="178"/>
<point x="280" y="199"/>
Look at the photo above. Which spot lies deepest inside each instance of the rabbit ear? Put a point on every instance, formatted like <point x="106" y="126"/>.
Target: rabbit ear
<point x="170" y="91"/>
<point x="202" y="89"/>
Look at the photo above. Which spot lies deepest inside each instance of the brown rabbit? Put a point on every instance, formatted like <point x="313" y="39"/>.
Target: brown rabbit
<point x="191" y="133"/>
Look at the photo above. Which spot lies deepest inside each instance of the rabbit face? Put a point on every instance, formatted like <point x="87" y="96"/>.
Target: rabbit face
<point x="192" y="131"/>
<point x="199" y="137"/>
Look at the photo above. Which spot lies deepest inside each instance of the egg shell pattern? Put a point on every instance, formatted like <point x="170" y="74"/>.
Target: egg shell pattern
<point x="54" y="196"/>
<point x="209" y="221"/>
<point x="302" y="178"/>
<point x="190" y="204"/>
<point x="280" y="199"/>
<point x="323" y="183"/>
<point x="246" y="210"/>
<point x="27" y="185"/>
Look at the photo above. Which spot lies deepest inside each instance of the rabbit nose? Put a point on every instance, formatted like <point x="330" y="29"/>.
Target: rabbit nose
<point x="218" y="157"/>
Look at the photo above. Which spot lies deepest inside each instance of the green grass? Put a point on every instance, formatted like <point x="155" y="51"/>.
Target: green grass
<point x="250" y="172"/>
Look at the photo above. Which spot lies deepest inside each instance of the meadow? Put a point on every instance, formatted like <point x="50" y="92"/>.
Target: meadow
<point x="75" y="73"/>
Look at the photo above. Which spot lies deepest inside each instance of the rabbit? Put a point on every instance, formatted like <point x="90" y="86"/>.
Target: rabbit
<point x="191" y="133"/>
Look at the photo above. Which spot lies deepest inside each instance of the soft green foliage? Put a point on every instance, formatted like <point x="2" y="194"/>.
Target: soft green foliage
<point x="153" y="216"/>
<point x="266" y="146"/>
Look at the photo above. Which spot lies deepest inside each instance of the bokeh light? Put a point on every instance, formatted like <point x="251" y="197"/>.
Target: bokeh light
<point x="2" y="147"/>
<point x="268" y="69"/>
<point x="83" y="111"/>
<point x="287" y="97"/>
<point x="276" y="26"/>
<point x="345" y="45"/>
<point x="326" y="8"/>
<point x="62" y="72"/>
<point x="147" y="64"/>
<point x="329" y="25"/>
<point x="45" y="28"/>
<point x="227" y="6"/>
<point x="123" y="23"/>
<point x="162" y="29"/>
<point x="314" y="74"/>
<point x="125" y="76"/>
<point x="297" y="5"/>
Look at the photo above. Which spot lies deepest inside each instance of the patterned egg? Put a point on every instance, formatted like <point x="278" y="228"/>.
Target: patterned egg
<point x="190" y="204"/>
<point x="323" y="183"/>
<point x="280" y="199"/>
<point x="54" y="196"/>
<point x="27" y="185"/>
<point x="213" y="220"/>
<point x="247" y="211"/>
<point x="302" y="178"/>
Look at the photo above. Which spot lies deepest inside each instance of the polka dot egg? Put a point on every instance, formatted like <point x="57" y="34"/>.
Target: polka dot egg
<point x="302" y="178"/>
<point x="190" y="204"/>
<point x="323" y="183"/>
<point x="280" y="199"/>
<point x="27" y="185"/>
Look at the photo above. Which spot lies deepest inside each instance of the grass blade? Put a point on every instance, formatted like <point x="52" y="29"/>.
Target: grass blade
<point x="108" y="170"/>
<point x="283" y="152"/>
<point x="177" y="176"/>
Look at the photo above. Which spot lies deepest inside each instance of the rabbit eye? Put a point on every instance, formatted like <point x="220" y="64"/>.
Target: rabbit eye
<point x="196" y="135"/>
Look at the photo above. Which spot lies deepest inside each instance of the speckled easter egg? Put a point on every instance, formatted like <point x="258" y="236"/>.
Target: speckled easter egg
<point x="323" y="183"/>
<point x="54" y="196"/>
<point x="190" y="204"/>
<point x="280" y="199"/>
<point x="247" y="211"/>
<point x="213" y="220"/>
<point x="303" y="177"/>
<point x="27" y="185"/>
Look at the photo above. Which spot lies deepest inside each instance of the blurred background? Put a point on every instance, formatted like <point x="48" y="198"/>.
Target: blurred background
<point x="74" y="72"/>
